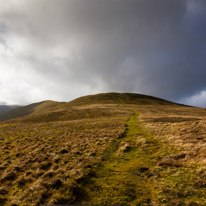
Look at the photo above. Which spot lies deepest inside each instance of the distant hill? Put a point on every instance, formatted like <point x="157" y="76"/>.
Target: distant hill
<point x="104" y="98"/>
<point x="119" y="98"/>
<point x="7" y="108"/>
<point x="29" y="109"/>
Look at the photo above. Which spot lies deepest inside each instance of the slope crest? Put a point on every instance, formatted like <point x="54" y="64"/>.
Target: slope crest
<point x="119" y="98"/>
<point x="29" y="109"/>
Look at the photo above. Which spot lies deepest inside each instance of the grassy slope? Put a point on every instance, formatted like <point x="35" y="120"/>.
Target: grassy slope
<point x="42" y="160"/>
<point x="146" y="152"/>
<point x="6" y="108"/>
<point x="55" y="109"/>
<point x="29" y="109"/>
<point x="139" y="169"/>
<point x="122" y="177"/>
<point x="119" y="98"/>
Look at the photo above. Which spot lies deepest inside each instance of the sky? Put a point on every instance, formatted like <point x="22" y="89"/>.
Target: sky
<point x="63" y="49"/>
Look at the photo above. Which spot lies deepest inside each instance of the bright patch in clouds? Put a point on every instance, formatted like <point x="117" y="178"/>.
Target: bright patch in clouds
<point x="64" y="49"/>
<point x="196" y="100"/>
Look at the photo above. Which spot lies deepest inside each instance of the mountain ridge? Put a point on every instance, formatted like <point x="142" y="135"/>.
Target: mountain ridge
<point x="101" y="98"/>
<point x="7" y="108"/>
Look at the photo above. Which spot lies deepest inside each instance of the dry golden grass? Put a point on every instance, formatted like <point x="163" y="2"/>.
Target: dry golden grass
<point x="43" y="157"/>
<point x="182" y="127"/>
<point x="121" y="153"/>
<point x="183" y="179"/>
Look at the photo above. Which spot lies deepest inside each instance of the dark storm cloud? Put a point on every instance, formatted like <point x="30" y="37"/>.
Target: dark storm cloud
<point x="75" y="47"/>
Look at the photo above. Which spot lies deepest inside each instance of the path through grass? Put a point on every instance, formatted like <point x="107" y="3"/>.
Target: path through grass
<point x="123" y="178"/>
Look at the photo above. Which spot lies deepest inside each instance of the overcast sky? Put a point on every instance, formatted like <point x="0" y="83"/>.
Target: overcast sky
<point x="63" y="49"/>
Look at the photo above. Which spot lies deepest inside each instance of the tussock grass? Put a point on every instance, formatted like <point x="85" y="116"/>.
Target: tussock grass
<point x="125" y="176"/>
<point x="42" y="158"/>
<point x="113" y="149"/>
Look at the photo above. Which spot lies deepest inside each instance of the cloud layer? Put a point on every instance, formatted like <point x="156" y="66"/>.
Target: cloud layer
<point x="62" y="49"/>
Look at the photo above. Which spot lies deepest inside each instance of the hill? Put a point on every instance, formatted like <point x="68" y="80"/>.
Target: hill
<point x="119" y="98"/>
<point x="29" y="109"/>
<point x="104" y="149"/>
<point x="103" y="98"/>
<point x="6" y="108"/>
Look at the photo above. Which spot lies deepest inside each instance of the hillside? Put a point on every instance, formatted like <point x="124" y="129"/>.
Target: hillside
<point x="55" y="109"/>
<point x="119" y="98"/>
<point x="6" y="108"/>
<point x="29" y="109"/>
<point x="104" y="149"/>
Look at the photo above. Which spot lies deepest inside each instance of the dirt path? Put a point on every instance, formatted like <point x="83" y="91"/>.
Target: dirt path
<point x="123" y="178"/>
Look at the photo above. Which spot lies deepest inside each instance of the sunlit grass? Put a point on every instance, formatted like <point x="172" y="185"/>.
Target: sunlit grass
<point x="148" y="153"/>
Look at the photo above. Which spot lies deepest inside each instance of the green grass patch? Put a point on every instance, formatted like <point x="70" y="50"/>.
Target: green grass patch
<point x="132" y="176"/>
<point x="122" y="178"/>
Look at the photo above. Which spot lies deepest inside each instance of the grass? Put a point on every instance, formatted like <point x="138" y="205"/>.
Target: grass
<point x="119" y="98"/>
<point x="38" y="153"/>
<point x="135" y="171"/>
<point x="136" y="150"/>
<point x="123" y="176"/>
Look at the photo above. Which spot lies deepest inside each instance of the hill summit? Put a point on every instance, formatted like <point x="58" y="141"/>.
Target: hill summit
<point x="119" y="98"/>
